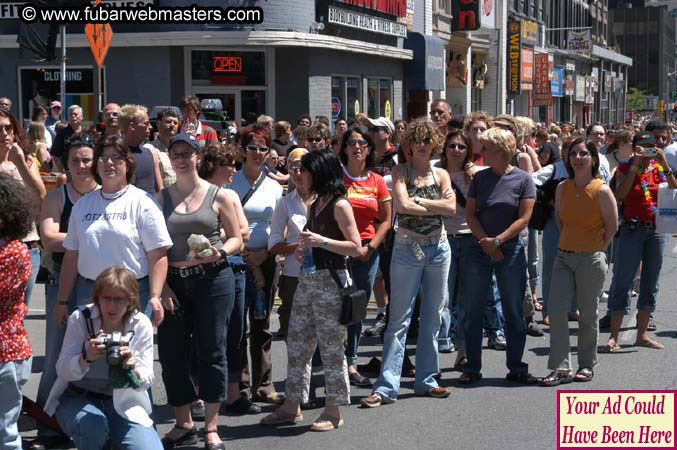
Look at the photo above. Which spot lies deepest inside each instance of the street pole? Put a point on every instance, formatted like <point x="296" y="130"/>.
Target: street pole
<point x="62" y="80"/>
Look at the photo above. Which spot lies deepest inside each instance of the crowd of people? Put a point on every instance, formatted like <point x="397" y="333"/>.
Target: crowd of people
<point x="195" y="233"/>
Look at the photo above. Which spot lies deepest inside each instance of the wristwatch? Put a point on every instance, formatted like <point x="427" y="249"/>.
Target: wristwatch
<point x="497" y="242"/>
<point x="417" y="200"/>
<point x="223" y="253"/>
<point x="325" y="243"/>
<point x="84" y="355"/>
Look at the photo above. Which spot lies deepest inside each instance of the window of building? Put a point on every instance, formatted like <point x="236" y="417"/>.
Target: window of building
<point x="379" y="97"/>
<point x="228" y="68"/>
<point x="345" y="97"/>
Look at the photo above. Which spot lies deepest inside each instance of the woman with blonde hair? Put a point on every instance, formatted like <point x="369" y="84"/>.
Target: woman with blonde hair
<point x="36" y="145"/>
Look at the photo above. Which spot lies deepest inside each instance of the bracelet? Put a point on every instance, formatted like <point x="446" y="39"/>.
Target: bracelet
<point x="157" y="296"/>
<point x="84" y="355"/>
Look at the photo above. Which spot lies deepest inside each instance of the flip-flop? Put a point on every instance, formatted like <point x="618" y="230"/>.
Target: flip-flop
<point x="583" y="375"/>
<point x="608" y="349"/>
<point x="650" y="344"/>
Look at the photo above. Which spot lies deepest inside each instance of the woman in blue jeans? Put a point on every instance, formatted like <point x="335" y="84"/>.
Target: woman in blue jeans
<point x="423" y="196"/>
<point x="371" y="202"/>
<point x="198" y="295"/>
<point x="498" y="207"/>
<point x="637" y="183"/>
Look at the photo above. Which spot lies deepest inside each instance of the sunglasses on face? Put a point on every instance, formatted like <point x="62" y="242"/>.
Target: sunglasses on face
<point x="226" y="164"/>
<point x="116" y="159"/>
<point x="438" y="112"/>
<point x="297" y="170"/>
<point x="256" y="148"/>
<point x="357" y="142"/>
<point x="579" y="154"/>
<point x="315" y="140"/>
<point x="424" y="141"/>
<point x="457" y="146"/>
<point x="182" y="155"/>
<point x="111" y="114"/>
<point x="7" y="129"/>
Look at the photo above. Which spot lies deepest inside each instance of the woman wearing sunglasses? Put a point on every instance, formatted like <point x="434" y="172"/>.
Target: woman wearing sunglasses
<point x="259" y="195"/>
<point x="319" y="137"/>
<point x="637" y="182"/>
<point x="118" y="224"/>
<point x="586" y="212"/>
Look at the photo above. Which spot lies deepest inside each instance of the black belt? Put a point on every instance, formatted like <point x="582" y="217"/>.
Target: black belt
<point x="32" y="244"/>
<point x="200" y="269"/>
<point x="569" y="251"/>
<point x="86" y="393"/>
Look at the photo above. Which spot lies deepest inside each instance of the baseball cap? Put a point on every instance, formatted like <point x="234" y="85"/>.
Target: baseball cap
<point x="296" y="155"/>
<point x="381" y="122"/>
<point x="184" y="137"/>
<point x="506" y="120"/>
<point x="55" y="104"/>
<point x="643" y="138"/>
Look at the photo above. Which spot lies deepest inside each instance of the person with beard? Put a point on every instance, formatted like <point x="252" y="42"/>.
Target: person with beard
<point x="111" y="114"/>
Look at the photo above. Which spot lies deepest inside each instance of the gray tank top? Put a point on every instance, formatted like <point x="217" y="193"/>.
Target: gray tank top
<point x="180" y="225"/>
<point x="144" y="175"/>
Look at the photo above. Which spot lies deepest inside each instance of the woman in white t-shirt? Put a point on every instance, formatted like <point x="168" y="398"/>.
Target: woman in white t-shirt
<point x="118" y="224"/>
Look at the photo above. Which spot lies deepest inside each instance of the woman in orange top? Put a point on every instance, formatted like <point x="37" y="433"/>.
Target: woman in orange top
<point x="587" y="216"/>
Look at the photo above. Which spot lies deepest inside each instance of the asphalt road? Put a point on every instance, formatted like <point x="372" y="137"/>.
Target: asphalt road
<point x="489" y="415"/>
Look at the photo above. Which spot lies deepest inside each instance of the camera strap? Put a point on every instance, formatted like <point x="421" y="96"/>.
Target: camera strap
<point x="89" y="323"/>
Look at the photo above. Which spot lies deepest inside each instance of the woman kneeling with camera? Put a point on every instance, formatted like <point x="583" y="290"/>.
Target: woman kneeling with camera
<point x="105" y="369"/>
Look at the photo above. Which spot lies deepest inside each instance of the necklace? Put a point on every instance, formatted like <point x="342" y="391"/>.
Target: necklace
<point x="82" y="194"/>
<point x="653" y="165"/>
<point x="115" y="195"/>
<point x="189" y="198"/>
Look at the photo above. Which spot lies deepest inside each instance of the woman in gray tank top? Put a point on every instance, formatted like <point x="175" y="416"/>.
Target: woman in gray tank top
<point x="198" y="295"/>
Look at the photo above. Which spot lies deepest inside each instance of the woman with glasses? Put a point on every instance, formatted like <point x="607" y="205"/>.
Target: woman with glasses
<point x="259" y="195"/>
<point x="475" y="124"/>
<point x="198" y="295"/>
<point x="371" y="202"/>
<point x="421" y="255"/>
<point x="637" y="183"/>
<point x="586" y="212"/>
<point x="319" y="137"/>
<point x="118" y="224"/>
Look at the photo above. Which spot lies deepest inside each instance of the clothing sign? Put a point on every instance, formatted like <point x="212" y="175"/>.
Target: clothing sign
<point x="527" y="69"/>
<point x="529" y="33"/>
<point x="466" y="15"/>
<point x="542" y="82"/>
<point x="557" y="82"/>
<point x="580" y="42"/>
<point x="361" y="21"/>
<point x="514" y="56"/>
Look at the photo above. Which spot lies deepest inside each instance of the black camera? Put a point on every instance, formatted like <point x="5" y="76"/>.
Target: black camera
<point x="633" y="224"/>
<point x="113" y="342"/>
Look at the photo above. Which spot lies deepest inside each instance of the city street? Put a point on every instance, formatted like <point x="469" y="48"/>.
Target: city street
<point x="489" y="415"/>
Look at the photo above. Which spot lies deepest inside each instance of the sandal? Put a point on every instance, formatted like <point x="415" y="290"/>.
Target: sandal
<point x="213" y="446"/>
<point x="649" y="343"/>
<point x="556" y="378"/>
<point x="469" y="378"/>
<point x="583" y="375"/>
<point x="278" y="417"/>
<point x="326" y="422"/>
<point x="609" y="348"/>
<point x="188" y="438"/>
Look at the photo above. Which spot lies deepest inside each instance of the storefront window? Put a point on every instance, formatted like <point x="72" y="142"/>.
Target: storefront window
<point x="353" y="96"/>
<point x="338" y="99"/>
<point x="253" y="104"/>
<point x="372" y="97"/>
<point x="386" y="99"/>
<point x="345" y="98"/>
<point x="228" y="68"/>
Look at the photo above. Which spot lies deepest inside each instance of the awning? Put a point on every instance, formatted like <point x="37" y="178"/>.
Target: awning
<point x="426" y="70"/>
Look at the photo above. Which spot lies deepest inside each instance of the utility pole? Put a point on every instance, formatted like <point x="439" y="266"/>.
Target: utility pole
<point x="62" y="80"/>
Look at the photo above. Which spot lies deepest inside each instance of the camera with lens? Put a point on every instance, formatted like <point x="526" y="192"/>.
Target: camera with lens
<point x="113" y="341"/>
<point x="633" y="224"/>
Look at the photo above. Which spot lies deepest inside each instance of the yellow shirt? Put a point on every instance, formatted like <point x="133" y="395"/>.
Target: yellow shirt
<point x="581" y="216"/>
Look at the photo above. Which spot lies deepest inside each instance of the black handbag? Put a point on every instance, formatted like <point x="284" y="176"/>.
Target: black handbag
<point x="353" y="301"/>
<point x="542" y="210"/>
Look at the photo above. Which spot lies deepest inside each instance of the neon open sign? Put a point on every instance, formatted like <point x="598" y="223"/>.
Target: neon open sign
<point x="228" y="64"/>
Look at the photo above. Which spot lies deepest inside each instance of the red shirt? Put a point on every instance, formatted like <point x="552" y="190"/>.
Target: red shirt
<point x="365" y="196"/>
<point x="207" y="136"/>
<point x="16" y="269"/>
<point x="635" y="204"/>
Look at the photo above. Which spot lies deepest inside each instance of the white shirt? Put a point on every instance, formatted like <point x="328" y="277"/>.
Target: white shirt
<point x="116" y="232"/>
<point x="671" y="155"/>
<point x="290" y="214"/>
<point x="542" y="176"/>
<point x="132" y="404"/>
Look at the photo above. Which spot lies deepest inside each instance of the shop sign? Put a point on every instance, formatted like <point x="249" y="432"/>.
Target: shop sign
<point x="580" y="88"/>
<point x="527" y="72"/>
<point x="595" y="79"/>
<point x="580" y="42"/>
<point x="411" y="5"/>
<point x="335" y="107"/>
<point x="388" y="110"/>
<point x="391" y="7"/>
<point x="557" y="82"/>
<point x="466" y="15"/>
<point x="589" y="94"/>
<point x="569" y="85"/>
<point x="514" y="54"/>
<point x="352" y="19"/>
<point x="488" y="14"/>
<point x="542" y="96"/>
<point x="570" y="66"/>
<point x="212" y="67"/>
<point x="529" y="35"/>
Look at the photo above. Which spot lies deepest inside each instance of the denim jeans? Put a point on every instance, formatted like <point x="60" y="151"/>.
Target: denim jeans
<point x="12" y="376"/>
<point x="494" y="322"/>
<point x="643" y="245"/>
<point x="364" y="274"/>
<point x="236" y="342"/>
<point x="407" y="274"/>
<point x="54" y="335"/>
<point x="84" y="286"/>
<point x="532" y="258"/>
<point x="35" y="263"/>
<point x="204" y="305"/>
<point x="91" y="422"/>
<point x="449" y="329"/>
<point x="511" y="278"/>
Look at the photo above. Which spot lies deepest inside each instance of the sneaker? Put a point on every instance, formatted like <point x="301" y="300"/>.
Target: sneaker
<point x="652" y="325"/>
<point x="447" y="348"/>
<point x="497" y="342"/>
<point x="197" y="410"/>
<point x="379" y="326"/>
<point x="604" y="298"/>
<point x="605" y="322"/>
<point x="243" y="406"/>
<point x="533" y="329"/>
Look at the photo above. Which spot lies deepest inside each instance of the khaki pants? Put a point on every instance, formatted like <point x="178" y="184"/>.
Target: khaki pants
<point x="580" y="277"/>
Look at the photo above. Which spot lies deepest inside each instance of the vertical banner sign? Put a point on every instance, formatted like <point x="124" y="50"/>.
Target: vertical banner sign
<point x="542" y="95"/>
<point x="514" y="48"/>
<point x="527" y="69"/>
<point x="99" y="36"/>
<point x="466" y="15"/>
<point x="557" y="82"/>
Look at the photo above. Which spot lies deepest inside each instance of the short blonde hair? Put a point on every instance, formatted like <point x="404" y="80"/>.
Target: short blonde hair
<point x="525" y="127"/>
<point x="120" y="278"/>
<point x="129" y="114"/>
<point x="265" y="121"/>
<point x="420" y="129"/>
<point x="479" y="116"/>
<point x="503" y="139"/>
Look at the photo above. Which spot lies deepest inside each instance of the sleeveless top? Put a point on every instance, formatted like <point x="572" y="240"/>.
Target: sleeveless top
<point x="325" y="225"/>
<point x="421" y="224"/>
<point x="63" y="220"/>
<point x="202" y="221"/>
<point x="144" y="176"/>
<point x="581" y="216"/>
<point x="32" y="235"/>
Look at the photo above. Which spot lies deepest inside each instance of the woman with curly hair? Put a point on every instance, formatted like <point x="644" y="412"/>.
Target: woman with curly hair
<point x="422" y="196"/>
<point x="15" y="266"/>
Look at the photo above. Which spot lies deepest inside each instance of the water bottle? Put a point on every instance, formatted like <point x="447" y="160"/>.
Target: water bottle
<point x="308" y="264"/>
<point x="260" y="310"/>
<point x="190" y="128"/>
